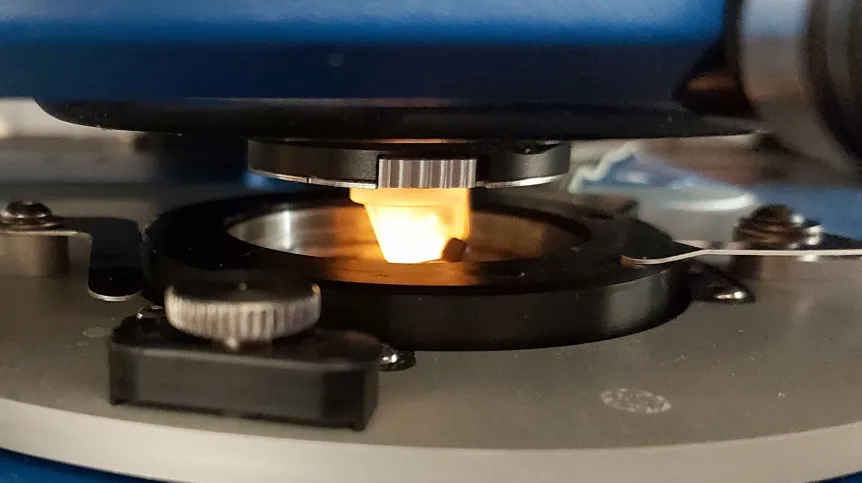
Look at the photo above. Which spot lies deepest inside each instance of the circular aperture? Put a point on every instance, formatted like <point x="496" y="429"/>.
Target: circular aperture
<point x="345" y="231"/>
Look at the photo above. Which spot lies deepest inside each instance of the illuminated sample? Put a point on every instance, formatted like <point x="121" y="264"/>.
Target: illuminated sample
<point x="414" y="225"/>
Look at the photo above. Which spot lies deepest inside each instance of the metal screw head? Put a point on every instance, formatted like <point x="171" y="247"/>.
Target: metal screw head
<point x="150" y="312"/>
<point x="27" y="213"/>
<point x="778" y="226"/>
<point x="730" y="294"/>
<point x="779" y="215"/>
<point x="392" y="359"/>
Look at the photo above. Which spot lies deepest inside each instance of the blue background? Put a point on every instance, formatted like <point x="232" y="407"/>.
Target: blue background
<point x="572" y="51"/>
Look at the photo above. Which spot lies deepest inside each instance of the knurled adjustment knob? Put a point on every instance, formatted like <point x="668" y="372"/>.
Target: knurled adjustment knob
<point x="238" y="313"/>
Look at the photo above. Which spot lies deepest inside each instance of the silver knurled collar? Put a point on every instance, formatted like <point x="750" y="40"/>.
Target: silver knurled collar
<point x="250" y="315"/>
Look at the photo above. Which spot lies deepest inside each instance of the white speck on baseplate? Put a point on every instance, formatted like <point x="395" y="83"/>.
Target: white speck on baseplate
<point x="636" y="401"/>
<point x="96" y="332"/>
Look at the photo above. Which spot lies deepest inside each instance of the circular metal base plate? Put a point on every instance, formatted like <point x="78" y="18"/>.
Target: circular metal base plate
<point x="750" y="391"/>
<point x="758" y="392"/>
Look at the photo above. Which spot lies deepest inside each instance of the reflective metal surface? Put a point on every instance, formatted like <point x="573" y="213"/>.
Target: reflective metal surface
<point x="710" y="284"/>
<point x="778" y="77"/>
<point x="756" y="392"/>
<point x="778" y="226"/>
<point x="408" y="163"/>
<point x="31" y="256"/>
<point x="335" y="183"/>
<point x="244" y="311"/>
<point x="39" y="256"/>
<point x="27" y="213"/>
<point x="40" y="250"/>
<point x="724" y="392"/>
<point x="345" y="232"/>
<point x="426" y="173"/>
<point x="829" y="246"/>
<point x="760" y="407"/>
<point x="520" y="182"/>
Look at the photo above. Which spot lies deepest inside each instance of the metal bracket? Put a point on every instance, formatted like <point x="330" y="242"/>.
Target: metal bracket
<point x="33" y="242"/>
<point x="828" y="246"/>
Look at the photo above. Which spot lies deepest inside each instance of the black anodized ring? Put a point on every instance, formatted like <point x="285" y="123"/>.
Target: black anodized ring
<point x="582" y="295"/>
